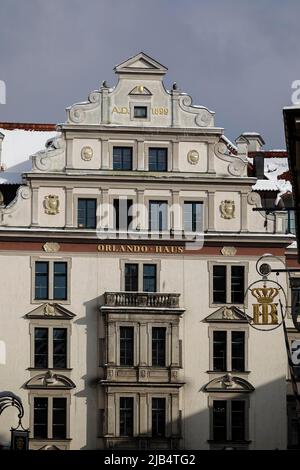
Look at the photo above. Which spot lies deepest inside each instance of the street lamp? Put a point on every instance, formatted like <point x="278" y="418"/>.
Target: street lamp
<point x="19" y="435"/>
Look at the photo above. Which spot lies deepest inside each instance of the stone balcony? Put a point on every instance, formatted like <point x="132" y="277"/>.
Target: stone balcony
<point x="141" y="299"/>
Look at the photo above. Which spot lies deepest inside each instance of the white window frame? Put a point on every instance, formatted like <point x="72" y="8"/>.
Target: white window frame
<point x="140" y="272"/>
<point x="50" y="395"/>
<point x="229" y="329"/>
<point x="228" y="265"/>
<point x="229" y="398"/>
<point x="51" y="262"/>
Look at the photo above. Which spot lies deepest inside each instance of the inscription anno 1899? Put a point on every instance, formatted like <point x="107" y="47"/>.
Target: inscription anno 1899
<point x="157" y="110"/>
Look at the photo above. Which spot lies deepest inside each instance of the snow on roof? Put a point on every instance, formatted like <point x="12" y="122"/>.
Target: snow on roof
<point x="274" y="167"/>
<point x="19" y="144"/>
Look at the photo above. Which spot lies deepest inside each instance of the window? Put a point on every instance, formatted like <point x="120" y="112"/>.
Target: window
<point x="237" y="351"/>
<point x="140" y="277"/>
<point x="87" y="213"/>
<point x="59" y="418"/>
<point x="40" y="428"/>
<point x="295" y="294"/>
<point x="140" y="112"/>
<point x="193" y="214"/>
<point x="229" y="419"/>
<point x="53" y="409"/>
<point x="158" y="346"/>
<point x="126" y="416"/>
<point x="41" y="348"/>
<point x="158" y="216"/>
<point x="131" y="277"/>
<point x="122" y="158"/>
<point x="291" y="223"/>
<point x="149" y="277"/>
<point x="228" y="284"/>
<point x="293" y="438"/>
<point x="41" y="280"/>
<point x="122" y="213"/>
<point x="158" y="159"/>
<point x="228" y="349"/>
<point x="158" y="417"/>
<point x="126" y="345"/>
<point x="60" y="281"/>
<point x="59" y="348"/>
<point x="50" y="280"/>
<point x="220" y="351"/>
<point x="50" y="348"/>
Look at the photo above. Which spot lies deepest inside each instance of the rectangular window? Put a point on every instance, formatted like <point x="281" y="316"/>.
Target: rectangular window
<point x="126" y="345"/>
<point x="41" y="280"/>
<point x="237" y="284"/>
<point x="122" y="158"/>
<point x="219" y="351"/>
<point x="59" y="418"/>
<point x="40" y="418"/>
<point x="219" y="284"/>
<point x="41" y="348"/>
<point x="193" y="216"/>
<point x="149" y="277"/>
<point x="158" y="417"/>
<point x="158" y="216"/>
<point x="228" y="284"/>
<point x="238" y="351"/>
<point x="295" y="293"/>
<point x="59" y="348"/>
<point x="219" y="420"/>
<point x="158" y="159"/>
<point x="126" y="416"/>
<point x="87" y="213"/>
<point x="122" y="213"/>
<point x="158" y="347"/>
<point x="140" y="112"/>
<point x="237" y="420"/>
<point x="60" y="280"/>
<point x="131" y="277"/>
<point x="229" y="420"/>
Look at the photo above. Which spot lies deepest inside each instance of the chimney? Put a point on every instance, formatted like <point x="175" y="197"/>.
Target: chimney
<point x="255" y="141"/>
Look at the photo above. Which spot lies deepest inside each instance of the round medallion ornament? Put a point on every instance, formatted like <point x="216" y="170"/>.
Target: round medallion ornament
<point x="87" y="153"/>
<point x="193" y="157"/>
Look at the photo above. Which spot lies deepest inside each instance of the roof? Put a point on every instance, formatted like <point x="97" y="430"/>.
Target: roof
<point x="20" y="141"/>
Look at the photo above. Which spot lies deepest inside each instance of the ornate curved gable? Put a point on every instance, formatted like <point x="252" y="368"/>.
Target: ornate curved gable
<point x="228" y="383"/>
<point x="49" y="380"/>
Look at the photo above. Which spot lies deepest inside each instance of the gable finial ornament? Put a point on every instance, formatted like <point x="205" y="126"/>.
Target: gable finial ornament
<point x="228" y="314"/>
<point x="50" y="378"/>
<point x="227" y="209"/>
<point x="51" y="204"/>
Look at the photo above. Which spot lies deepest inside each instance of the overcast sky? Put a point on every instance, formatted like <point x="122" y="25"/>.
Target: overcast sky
<point x="236" y="57"/>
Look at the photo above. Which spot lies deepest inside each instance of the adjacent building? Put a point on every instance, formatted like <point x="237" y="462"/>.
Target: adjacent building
<point x="126" y="251"/>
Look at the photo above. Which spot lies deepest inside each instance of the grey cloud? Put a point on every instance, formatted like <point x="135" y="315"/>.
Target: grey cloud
<point x="239" y="58"/>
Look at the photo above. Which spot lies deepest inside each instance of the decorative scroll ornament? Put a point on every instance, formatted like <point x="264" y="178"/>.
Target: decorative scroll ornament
<point x="1" y="199"/>
<point x="51" y="204"/>
<point x="228" y="251"/>
<point x="227" y="209"/>
<point x="237" y="165"/>
<point x="51" y="247"/>
<point x="87" y="153"/>
<point x="193" y="157"/>
<point x="228" y="314"/>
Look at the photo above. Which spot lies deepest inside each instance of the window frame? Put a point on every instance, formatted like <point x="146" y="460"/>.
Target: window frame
<point x="55" y="324"/>
<point x="229" y="329"/>
<point x="50" y="395"/>
<point x="51" y="261"/>
<point x="140" y="264"/>
<point x="122" y="157"/>
<point x="168" y="212"/>
<point x="157" y="149"/>
<point x="229" y="398"/>
<point x="85" y="198"/>
<point x="228" y="265"/>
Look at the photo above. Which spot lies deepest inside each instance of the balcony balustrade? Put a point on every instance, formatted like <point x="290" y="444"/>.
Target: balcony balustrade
<point x="141" y="299"/>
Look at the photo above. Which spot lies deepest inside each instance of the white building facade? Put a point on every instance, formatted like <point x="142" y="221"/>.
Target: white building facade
<point x="120" y="328"/>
